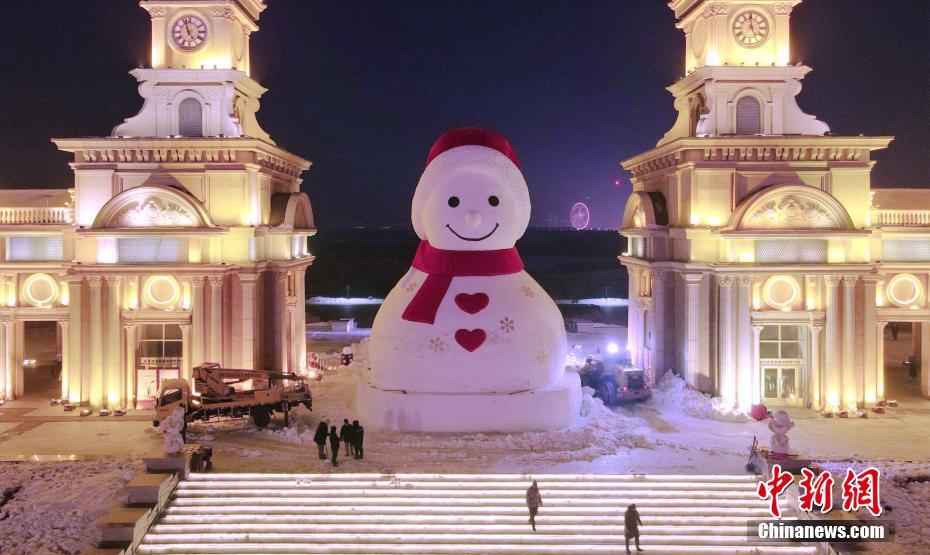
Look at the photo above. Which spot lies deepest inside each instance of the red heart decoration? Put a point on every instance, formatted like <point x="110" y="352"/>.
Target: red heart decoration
<point x="472" y="303"/>
<point x="470" y="339"/>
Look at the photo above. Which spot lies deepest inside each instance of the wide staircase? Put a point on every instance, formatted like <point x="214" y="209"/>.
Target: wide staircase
<point x="457" y="513"/>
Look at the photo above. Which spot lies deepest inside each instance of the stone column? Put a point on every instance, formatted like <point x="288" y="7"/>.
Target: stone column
<point x="186" y="368"/>
<point x="65" y="359"/>
<point x="816" y="379"/>
<point x="659" y="356"/>
<point x="216" y="319"/>
<point x="300" y="321"/>
<point x="726" y="350"/>
<point x="19" y="333"/>
<point x="850" y="379"/>
<point x="97" y="377"/>
<point x="6" y="379"/>
<point x="923" y="378"/>
<point x="831" y="386"/>
<point x="867" y="391"/>
<point x="880" y="359"/>
<point x="115" y="382"/>
<point x="692" y="328"/>
<point x="633" y="311"/>
<point x="247" y="283"/>
<point x="756" y="366"/>
<point x="744" y="348"/>
<point x="198" y="332"/>
<point x="130" y="373"/>
<point x="78" y="376"/>
<point x="280" y="319"/>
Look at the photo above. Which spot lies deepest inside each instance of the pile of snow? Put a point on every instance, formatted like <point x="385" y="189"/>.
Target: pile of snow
<point x="673" y="394"/>
<point x="597" y="432"/>
<point x="56" y="505"/>
<point x="905" y="498"/>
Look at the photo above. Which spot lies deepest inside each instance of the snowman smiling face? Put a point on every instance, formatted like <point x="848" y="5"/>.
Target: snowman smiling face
<point x="472" y="211"/>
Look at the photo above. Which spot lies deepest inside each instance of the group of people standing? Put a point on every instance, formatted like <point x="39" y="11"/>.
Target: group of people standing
<point x="351" y="435"/>
<point x="631" y="520"/>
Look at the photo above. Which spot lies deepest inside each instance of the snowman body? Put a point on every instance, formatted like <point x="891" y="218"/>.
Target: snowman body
<point x="467" y="341"/>
<point x="492" y="334"/>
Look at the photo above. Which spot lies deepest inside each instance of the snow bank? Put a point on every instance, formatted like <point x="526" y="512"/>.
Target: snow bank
<point x="597" y="432"/>
<point x="905" y="498"/>
<point x="672" y="393"/>
<point x="57" y="504"/>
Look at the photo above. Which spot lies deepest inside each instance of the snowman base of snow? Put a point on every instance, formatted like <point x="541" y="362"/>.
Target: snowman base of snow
<point x="548" y="408"/>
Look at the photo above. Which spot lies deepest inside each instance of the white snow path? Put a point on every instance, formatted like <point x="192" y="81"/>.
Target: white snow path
<point x="57" y="504"/>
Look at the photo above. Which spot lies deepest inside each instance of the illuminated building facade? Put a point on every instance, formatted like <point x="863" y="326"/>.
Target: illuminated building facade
<point x="184" y="237"/>
<point x="763" y="266"/>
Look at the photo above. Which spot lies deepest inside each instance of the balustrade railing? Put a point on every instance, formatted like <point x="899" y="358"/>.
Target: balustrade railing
<point x="904" y="218"/>
<point x="49" y="215"/>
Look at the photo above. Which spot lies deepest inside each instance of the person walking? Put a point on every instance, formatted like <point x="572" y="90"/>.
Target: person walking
<point x="631" y="524"/>
<point x="334" y="444"/>
<point x="319" y="437"/>
<point x="358" y="439"/>
<point x="533" y="502"/>
<point x="346" y="433"/>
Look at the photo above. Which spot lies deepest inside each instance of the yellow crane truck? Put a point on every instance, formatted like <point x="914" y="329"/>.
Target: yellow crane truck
<point x="232" y="393"/>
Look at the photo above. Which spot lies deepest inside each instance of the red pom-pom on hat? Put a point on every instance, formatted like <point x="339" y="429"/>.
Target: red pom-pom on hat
<point x="472" y="136"/>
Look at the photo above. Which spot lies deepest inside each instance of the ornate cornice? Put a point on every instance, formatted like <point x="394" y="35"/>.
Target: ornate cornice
<point x="724" y="281"/>
<point x="223" y="12"/>
<point x="744" y="281"/>
<point x="850" y="280"/>
<point x="832" y="280"/>
<point x="715" y="9"/>
<point x="215" y="281"/>
<point x="95" y="281"/>
<point x="157" y="11"/>
<point x="197" y="281"/>
<point x="782" y="9"/>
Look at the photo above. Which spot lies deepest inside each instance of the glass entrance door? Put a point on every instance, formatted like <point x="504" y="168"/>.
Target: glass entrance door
<point x="781" y="385"/>
<point x="781" y="364"/>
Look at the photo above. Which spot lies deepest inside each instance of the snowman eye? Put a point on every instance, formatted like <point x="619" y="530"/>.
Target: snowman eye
<point x="493" y="200"/>
<point x="453" y="201"/>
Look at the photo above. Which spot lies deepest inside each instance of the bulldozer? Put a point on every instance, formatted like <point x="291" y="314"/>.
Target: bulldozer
<point x="232" y="393"/>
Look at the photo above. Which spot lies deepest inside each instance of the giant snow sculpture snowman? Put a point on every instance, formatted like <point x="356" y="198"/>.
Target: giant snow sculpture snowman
<point x="467" y="341"/>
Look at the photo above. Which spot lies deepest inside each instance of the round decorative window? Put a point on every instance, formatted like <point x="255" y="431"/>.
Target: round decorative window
<point x="782" y="292"/>
<point x="40" y="290"/>
<point x="161" y="291"/>
<point x="905" y="290"/>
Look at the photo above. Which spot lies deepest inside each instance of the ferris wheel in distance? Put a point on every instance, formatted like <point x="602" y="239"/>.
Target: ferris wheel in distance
<point x="580" y="216"/>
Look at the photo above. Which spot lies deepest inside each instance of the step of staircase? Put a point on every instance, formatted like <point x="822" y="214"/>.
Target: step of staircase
<point x="370" y="514"/>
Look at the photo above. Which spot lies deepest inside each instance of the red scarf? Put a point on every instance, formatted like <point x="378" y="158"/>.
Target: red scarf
<point x="443" y="265"/>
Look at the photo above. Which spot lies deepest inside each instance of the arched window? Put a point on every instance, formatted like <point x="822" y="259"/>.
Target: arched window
<point x="190" y="118"/>
<point x="748" y="116"/>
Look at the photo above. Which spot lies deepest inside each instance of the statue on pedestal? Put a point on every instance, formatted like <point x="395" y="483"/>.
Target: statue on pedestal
<point x="780" y="424"/>
<point x="171" y="428"/>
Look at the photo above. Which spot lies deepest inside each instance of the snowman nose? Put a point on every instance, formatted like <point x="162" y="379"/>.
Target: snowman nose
<point x="473" y="218"/>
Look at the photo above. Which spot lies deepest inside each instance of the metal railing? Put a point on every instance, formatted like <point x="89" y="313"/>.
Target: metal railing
<point x="904" y="218"/>
<point x="50" y="215"/>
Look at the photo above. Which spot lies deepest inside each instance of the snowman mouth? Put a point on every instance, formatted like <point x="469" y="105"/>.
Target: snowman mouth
<point x="462" y="237"/>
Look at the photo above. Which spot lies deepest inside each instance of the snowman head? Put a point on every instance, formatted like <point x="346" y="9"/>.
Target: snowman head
<point x="472" y="195"/>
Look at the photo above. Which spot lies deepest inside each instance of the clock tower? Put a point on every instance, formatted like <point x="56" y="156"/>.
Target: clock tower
<point x="744" y="223"/>
<point x="738" y="76"/>
<point x="198" y="84"/>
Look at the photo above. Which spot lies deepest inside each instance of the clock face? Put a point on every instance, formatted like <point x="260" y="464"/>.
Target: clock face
<point x="189" y="32"/>
<point x="750" y="29"/>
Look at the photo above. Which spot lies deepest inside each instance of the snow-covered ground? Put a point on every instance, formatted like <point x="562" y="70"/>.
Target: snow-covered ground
<point x="52" y="507"/>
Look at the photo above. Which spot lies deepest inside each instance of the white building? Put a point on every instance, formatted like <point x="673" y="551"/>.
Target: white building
<point x="184" y="237"/>
<point x="762" y="265"/>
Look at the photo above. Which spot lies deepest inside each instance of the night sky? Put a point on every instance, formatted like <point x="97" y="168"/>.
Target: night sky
<point x="363" y="88"/>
